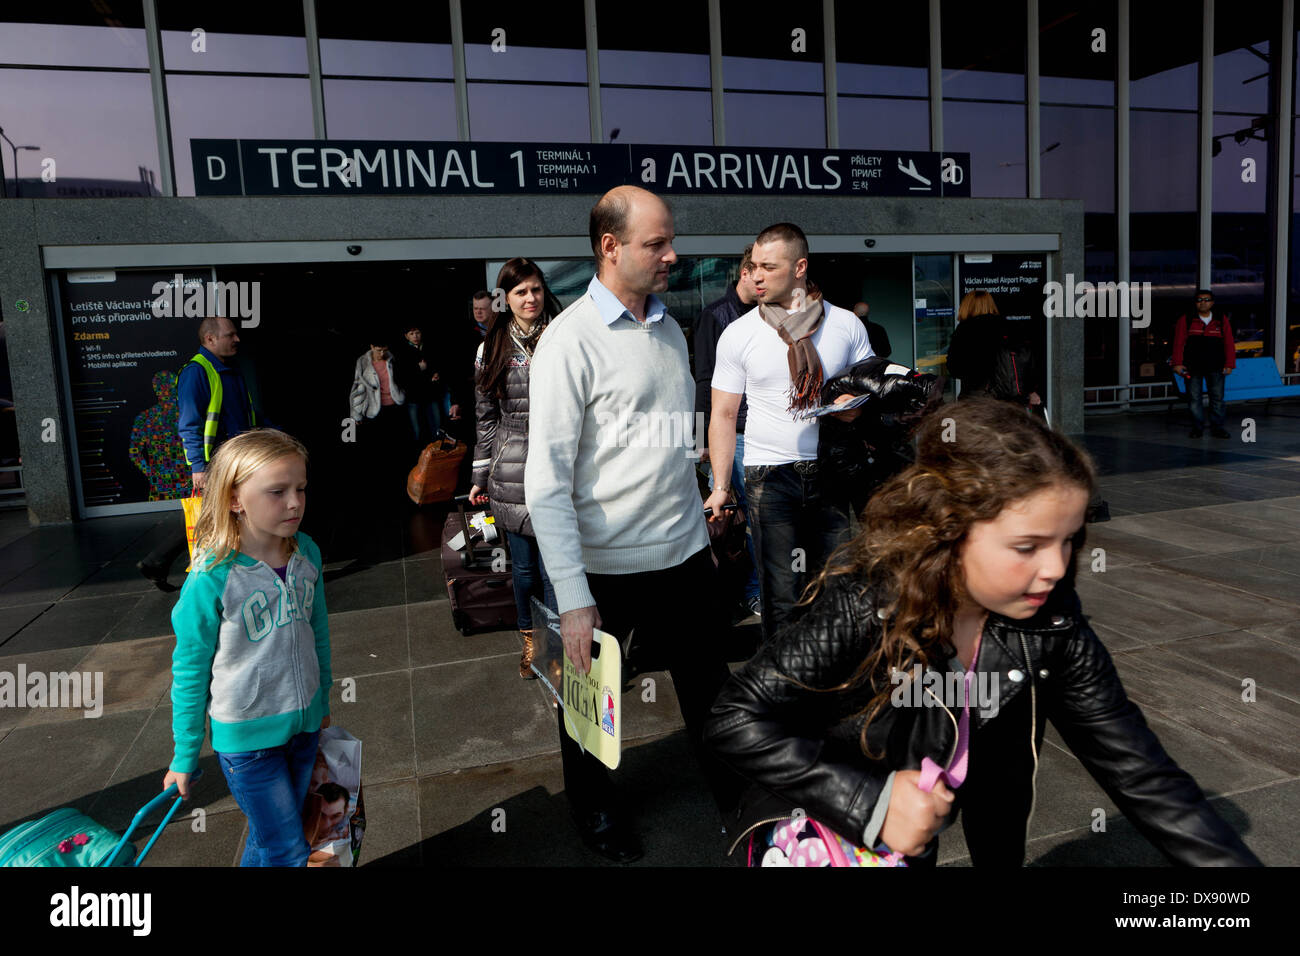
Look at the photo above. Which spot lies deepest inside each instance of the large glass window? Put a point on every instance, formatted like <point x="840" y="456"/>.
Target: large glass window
<point x="772" y="75"/>
<point x="1239" y="239"/>
<point x="1077" y="142"/>
<point x="268" y="96"/>
<point x="412" y="95"/>
<point x="233" y="36"/>
<point x="1164" y="71"/>
<point x="881" y="68"/>
<point x="85" y="132"/>
<point x="984" y="94"/>
<point x="527" y="71"/>
<point x="65" y="34"/>
<point x="654" y="73"/>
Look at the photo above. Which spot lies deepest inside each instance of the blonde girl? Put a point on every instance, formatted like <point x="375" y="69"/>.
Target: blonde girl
<point x="252" y="642"/>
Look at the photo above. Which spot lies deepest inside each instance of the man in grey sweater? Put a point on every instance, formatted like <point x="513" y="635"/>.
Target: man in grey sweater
<point x="615" y="506"/>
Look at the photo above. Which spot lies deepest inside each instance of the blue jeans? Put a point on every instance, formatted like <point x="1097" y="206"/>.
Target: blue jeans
<point x="795" y="529"/>
<point x="426" y="420"/>
<point x="738" y="483"/>
<point x="270" y="786"/>
<point x="529" y="577"/>
<point x="1214" y="380"/>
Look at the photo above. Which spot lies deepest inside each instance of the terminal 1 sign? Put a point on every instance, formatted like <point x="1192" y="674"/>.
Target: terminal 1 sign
<point x="243" y="167"/>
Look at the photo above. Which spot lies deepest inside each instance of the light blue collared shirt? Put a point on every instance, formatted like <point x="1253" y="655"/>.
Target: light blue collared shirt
<point x="611" y="309"/>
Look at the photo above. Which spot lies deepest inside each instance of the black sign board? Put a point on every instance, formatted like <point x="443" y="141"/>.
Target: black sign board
<point x="409" y="168"/>
<point x="122" y="366"/>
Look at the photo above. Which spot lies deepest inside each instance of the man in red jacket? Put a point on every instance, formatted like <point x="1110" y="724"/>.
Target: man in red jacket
<point x="1203" y="349"/>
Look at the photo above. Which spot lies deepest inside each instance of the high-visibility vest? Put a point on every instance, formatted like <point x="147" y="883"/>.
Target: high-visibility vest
<point x="214" y="405"/>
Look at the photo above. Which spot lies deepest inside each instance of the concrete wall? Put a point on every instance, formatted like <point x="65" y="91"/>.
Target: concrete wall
<point x="27" y="226"/>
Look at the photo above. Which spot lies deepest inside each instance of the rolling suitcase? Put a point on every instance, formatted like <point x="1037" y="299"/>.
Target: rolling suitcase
<point x="68" y="837"/>
<point x="480" y="586"/>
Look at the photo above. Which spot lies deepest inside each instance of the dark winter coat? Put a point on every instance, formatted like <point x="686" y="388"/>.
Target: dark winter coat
<point x="991" y="358"/>
<point x="501" y="450"/>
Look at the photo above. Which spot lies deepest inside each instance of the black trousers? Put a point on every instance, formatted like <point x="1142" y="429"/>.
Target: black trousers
<point x="679" y="620"/>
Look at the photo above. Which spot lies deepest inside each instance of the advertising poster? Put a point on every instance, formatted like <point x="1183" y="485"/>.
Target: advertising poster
<point x="1015" y="280"/>
<point x="123" y="363"/>
<point x="592" y="702"/>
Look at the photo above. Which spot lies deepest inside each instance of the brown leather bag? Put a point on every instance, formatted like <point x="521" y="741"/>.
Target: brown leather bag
<point x="435" y="475"/>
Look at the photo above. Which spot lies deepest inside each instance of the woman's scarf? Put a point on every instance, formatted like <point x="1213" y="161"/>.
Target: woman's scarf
<point x="796" y="330"/>
<point x="527" y="341"/>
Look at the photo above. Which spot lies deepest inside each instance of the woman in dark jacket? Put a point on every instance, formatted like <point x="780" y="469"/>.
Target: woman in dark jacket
<point x="989" y="355"/>
<point x="501" y="394"/>
<point x="960" y="586"/>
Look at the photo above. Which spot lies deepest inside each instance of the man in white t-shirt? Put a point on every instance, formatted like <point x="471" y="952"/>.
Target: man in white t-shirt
<point x="778" y="355"/>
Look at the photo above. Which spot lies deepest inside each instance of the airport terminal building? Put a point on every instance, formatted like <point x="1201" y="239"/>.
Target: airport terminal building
<point x="343" y="170"/>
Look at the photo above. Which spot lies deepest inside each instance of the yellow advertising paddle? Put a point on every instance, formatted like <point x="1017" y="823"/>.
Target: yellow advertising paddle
<point x="592" y="702"/>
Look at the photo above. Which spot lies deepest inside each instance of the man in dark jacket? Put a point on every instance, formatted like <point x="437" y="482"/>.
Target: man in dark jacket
<point x="715" y="317"/>
<point x="420" y="378"/>
<point x="1204" y="349"/>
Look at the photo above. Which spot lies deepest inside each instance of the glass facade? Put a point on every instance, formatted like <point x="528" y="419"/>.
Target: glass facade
<point x="75" y="85"/>
<point x="1163" y="225"/>
<point x="773" y="75"/>
<point x="654" y="74"/>
<point x="1076" y="43"/>
<point x="984" y="96"/>
<point x="882" y="59"/>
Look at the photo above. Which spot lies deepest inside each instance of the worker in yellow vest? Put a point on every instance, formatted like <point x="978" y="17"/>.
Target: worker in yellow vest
<point x="214" y="404"/>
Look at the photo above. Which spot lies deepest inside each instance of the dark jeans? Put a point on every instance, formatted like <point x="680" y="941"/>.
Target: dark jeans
<point x="1214" y="380"/>
<point x="794" y="529"/>
<point x="426" y="420"/>
<point x="529" y="577"/>
<point x="678" y="618"/>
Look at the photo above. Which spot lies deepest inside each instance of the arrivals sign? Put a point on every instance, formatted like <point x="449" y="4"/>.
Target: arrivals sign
<point x="338" y="167"/>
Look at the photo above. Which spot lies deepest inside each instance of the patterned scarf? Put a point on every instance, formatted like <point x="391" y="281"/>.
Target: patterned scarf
<point x="526" y="342"/>
<point x="796" y="330"/>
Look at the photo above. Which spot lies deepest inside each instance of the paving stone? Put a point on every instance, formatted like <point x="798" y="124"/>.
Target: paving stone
<point x="128" y="675"/>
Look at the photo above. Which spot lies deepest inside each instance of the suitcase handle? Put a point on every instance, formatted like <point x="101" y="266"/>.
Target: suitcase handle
<point x="144" y="811"/>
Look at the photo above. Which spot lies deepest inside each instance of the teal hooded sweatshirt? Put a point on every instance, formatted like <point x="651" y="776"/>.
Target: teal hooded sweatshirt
<point x="252" y="653"/>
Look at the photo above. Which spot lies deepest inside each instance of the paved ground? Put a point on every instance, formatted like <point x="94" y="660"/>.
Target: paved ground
<point x="1201" y="591"/>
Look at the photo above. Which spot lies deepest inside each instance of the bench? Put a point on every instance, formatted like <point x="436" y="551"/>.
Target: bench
<point x="1253" y="378"/>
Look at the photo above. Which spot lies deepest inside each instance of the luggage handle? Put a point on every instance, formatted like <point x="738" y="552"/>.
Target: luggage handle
<point x="144" y="812"/>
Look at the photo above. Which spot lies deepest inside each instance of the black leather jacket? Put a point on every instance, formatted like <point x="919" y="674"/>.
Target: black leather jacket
<point x="799" y="746"/>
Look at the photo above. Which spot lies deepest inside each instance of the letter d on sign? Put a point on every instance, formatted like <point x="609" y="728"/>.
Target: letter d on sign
<point x="212" y="173"/>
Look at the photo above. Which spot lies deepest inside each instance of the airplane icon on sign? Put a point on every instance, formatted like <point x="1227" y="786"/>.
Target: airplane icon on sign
<point x="910" y="170"/>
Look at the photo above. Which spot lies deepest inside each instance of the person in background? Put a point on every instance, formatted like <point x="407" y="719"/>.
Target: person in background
<point x="213" y="405"/>
<point x="876" y="333"/>
<point x="989" y="355"/>
<point x="376" y="402"/>
<point x="501" y="408"/>
<point x="778" y="356"/>
<point x="1204" y="351"/>
<point x="421" y="381"/>
<point x="714" y="318"/>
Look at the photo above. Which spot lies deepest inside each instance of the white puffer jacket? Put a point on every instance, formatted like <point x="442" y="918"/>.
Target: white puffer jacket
<point x="365" y="388"/>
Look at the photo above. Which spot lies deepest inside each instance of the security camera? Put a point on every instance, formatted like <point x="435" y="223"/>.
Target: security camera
<point x="354" y="250"/>
<point x="871" y="243"/>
